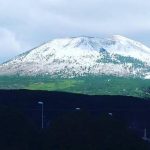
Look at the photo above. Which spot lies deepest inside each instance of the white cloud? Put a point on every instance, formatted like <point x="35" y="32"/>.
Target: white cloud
<point x="30" y="22"/>
<point x="9" y="45"/>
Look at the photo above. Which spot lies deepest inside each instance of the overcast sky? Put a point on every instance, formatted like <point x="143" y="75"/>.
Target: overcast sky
<point x="25" y="24"/>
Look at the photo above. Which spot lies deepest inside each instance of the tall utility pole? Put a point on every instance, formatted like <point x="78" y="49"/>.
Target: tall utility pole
<point x="42" y="113"/>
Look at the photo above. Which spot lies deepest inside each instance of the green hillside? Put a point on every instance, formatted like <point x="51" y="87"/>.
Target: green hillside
<point x="91" y="85"/>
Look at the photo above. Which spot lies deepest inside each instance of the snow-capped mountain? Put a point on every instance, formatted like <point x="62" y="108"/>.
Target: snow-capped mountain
<point x="79" y="56"/>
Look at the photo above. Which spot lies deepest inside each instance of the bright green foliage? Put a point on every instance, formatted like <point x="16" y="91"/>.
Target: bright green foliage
<point x="91" y="85"/>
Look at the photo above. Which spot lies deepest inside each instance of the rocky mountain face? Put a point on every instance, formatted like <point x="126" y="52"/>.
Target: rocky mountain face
<point x="80" y="56"/>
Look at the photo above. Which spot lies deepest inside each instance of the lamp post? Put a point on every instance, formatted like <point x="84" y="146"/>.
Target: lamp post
<point x="42" y="104"/>
<point x="78" y="108"/>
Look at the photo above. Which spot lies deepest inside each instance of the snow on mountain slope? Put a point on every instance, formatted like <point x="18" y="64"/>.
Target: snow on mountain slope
<point x="126" y="47"/>
<point x="79" y="56"/>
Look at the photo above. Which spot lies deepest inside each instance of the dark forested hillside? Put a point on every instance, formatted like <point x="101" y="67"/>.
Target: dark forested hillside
<point x="113" y="119"/>
<point x="128" y="108"/>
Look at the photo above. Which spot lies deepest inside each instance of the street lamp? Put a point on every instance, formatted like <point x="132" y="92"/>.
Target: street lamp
<point x="42" y="104"/>
<point x="78" y="108"/>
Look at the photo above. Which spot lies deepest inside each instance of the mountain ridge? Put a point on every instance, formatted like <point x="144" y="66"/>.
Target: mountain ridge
<point x="86" y="65"/>
<point x="79" y="56"/>
<point x="77" y="53"/>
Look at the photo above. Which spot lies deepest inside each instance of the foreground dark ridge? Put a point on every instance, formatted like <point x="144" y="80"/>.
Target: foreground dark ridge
<point x="60" y="114"/>
<point x="133" y="110"/>
<point x="65" y="100"/>
<point x="56" y="102"/>
<point x="27" y="99"/>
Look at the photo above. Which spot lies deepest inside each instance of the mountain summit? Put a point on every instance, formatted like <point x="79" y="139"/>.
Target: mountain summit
<point x="79" y="56"/>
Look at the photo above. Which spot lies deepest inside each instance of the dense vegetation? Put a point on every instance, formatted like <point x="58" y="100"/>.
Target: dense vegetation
<point x="91" y="85"/>
<point x="79" y="130"/>
<point x="16" y="131"/>
<point x="103" y="122"/>
<point x="75" y="130"/>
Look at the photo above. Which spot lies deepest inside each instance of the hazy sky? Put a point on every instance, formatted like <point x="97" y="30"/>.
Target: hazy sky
<point x="25" y="24"/>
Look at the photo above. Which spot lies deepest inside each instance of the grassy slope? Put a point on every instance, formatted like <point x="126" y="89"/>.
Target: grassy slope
<point x="92" y="85"/>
